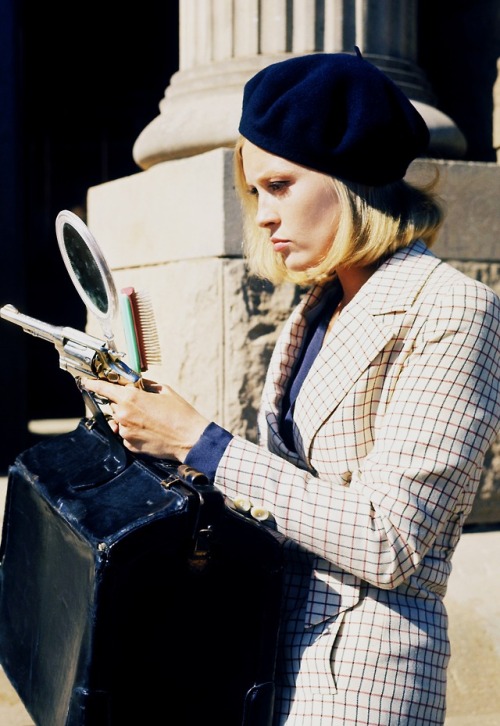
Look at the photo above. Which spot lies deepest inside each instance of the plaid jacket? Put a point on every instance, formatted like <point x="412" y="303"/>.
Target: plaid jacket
<point x="391" y="428"/>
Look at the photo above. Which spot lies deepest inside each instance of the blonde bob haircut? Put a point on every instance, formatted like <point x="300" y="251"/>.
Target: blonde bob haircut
<point x="373" y="223"/>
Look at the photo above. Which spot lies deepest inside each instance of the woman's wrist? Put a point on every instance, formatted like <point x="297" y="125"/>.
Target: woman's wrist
<point x="195" y="432"/>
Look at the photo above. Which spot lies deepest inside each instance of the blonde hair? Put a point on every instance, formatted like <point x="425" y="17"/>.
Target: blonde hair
<point x="373" y="223"/>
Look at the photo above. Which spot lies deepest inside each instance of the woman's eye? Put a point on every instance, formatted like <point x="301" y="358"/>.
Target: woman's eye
<point x="278" y="186"/>
<point x="272" y="187"/>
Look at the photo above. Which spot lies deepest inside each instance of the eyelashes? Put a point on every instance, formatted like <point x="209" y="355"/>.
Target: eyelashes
<point x="273" y="187"/>
<point x="278" y="186"/>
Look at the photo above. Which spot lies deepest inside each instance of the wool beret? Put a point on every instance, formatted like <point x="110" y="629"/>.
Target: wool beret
<point x="336" y="113"/>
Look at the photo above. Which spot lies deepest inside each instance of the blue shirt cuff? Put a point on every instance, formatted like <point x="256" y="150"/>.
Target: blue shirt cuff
<point x="208" y="450"/>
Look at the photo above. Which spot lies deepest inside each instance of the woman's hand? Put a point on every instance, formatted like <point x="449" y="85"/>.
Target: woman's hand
<point x="155" y="420"/>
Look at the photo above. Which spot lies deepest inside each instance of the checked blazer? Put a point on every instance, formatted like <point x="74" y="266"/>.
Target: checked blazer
<point x="391" y="427"/>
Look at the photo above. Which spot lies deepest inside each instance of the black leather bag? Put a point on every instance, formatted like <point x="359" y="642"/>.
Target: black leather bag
<point x="132" y="592"/>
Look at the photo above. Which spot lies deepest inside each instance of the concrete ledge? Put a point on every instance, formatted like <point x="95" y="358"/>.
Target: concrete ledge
<point x="473" y="602"/>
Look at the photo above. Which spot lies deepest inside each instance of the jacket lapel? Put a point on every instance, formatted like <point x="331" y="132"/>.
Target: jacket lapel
<point x="365" y="327"/>
<point x="358" y="337"/>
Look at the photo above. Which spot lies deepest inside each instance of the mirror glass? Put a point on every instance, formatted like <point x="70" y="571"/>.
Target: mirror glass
<point x="87" y="268"/>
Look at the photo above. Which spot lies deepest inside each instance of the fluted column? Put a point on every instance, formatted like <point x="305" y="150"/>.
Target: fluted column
<point x="496" y="113"/>
<point x="223" y="43"/>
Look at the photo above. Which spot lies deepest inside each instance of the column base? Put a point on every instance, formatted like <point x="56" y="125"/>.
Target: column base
<point x="201" y="110"/>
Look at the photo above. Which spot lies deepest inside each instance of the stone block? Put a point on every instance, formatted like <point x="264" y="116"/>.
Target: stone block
<point x="470" y="191"/>
<point x="178" y="210"/>
<point x="254" y="313"/>
<point x="186" y="298"/>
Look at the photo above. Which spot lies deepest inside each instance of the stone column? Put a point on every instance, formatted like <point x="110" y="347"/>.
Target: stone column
<point x="496" y="113"/>
<point x="222" y="44"/>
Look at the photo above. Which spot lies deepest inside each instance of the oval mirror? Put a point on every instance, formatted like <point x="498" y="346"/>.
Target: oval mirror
<point x="87" y="268"/>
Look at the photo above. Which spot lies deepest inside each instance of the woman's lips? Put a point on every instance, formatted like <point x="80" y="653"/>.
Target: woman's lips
<point x="280" y="244"/>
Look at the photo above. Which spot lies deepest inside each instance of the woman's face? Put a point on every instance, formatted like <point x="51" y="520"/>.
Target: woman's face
<point x="298" y="206"/>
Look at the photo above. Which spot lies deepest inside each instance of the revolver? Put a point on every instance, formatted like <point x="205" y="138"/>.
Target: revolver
<point x="79" y="354"/>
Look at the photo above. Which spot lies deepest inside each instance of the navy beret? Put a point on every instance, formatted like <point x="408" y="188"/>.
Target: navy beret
<point x="336" y="113"/>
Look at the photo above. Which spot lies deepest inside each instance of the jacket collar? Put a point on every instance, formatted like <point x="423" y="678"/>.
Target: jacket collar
<point x="397" y="283"/>
<point x="394" y="286"/>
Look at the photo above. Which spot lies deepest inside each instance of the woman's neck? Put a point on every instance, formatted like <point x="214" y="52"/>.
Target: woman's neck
<point x="352" y="279"/>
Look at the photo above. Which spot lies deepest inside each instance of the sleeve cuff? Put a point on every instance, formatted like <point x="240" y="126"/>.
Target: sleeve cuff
<point x="208" y="450"/>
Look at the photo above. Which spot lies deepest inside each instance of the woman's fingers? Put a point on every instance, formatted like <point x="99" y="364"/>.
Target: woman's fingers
<point x="155" y="419"/>
<point x="111" y="391"/>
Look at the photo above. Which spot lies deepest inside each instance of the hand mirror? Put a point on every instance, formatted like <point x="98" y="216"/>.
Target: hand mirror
<point x="88" y="270"/>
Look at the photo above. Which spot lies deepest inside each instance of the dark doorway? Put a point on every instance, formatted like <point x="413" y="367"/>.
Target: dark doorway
<point x="77" y="87"/>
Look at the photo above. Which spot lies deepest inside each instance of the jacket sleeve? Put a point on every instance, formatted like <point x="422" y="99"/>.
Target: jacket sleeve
<point x="429" y="446"/>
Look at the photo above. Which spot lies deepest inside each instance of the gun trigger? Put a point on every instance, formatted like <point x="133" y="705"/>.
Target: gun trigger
<point x="90" y="400"/>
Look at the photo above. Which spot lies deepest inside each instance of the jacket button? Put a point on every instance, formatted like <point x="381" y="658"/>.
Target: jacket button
<point x="259" y="513"/>
<point x="242" y="504"/>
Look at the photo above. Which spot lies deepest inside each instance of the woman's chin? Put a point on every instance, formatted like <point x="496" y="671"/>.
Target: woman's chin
<point x="296" y="265"/>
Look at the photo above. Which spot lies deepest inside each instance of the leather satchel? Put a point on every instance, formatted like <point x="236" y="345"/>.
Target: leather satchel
<point x="132" y="592"/>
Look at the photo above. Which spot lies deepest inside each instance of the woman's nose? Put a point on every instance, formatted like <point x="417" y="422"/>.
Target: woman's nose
<point x="266" y="212"/>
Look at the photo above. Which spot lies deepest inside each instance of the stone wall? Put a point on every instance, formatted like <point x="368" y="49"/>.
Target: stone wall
<point x="175" y="231"/>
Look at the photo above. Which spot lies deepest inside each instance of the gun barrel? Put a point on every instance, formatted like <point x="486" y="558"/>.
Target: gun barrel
<point x="31" y="325"/>
<point x="53" y="333"/>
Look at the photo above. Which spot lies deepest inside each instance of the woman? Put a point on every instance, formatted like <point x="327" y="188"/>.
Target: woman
<point x="381" y="399"/>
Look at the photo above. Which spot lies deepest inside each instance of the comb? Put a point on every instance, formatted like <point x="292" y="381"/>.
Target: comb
<point x="140" y="328"/>
<point x="129" y="328"/>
